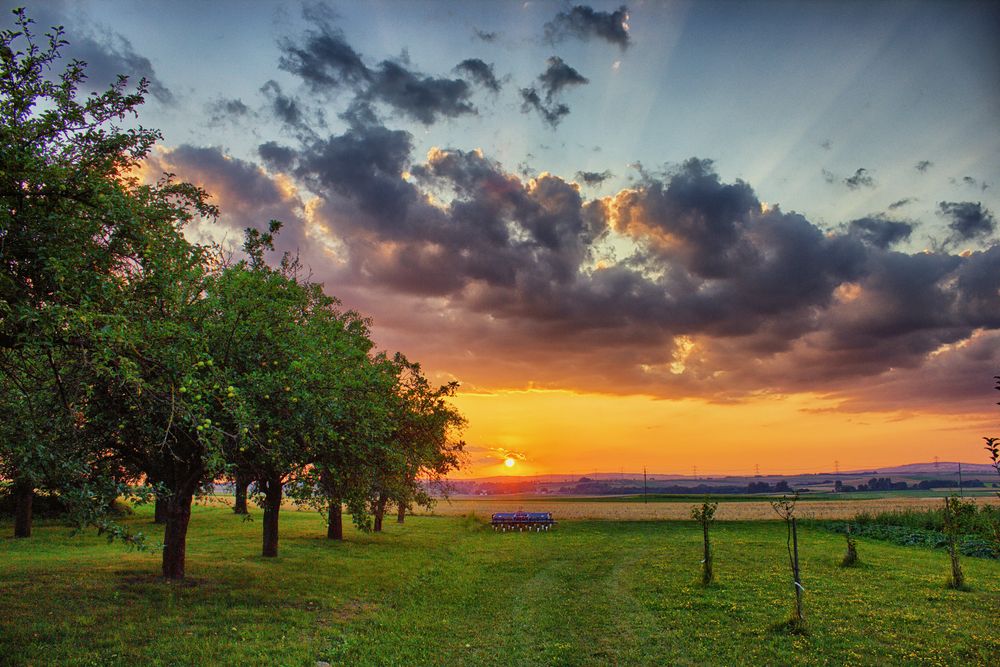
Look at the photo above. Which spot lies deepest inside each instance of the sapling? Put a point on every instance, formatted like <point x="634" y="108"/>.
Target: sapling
<point x="851" y="557"/>
<point x="953" y="510"/>
<point x="785" y="508"/>
<point x="705" y="515"/>
<point x="993" y="447"/>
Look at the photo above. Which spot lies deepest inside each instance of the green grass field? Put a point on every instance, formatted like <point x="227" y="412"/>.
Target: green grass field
<point x="450" y="591"/>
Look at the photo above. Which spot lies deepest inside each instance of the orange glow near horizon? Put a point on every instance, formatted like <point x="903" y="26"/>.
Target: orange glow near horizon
<point x="565" y="432"/>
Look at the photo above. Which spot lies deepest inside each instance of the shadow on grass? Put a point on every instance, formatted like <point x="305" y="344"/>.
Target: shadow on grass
<point x="792" y="626"/>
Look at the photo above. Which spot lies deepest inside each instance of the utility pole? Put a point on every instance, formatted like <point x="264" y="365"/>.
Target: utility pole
<point x="756" y="469"/>
<point x="960" y="489"/>
<point x="836" y="466"/>
<point x="694" y="471"/>
<point x="644" y="500"/>
<point x="935" y="464"/>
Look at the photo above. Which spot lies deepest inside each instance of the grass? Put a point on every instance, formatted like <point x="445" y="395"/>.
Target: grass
<point x="447" y="590"/>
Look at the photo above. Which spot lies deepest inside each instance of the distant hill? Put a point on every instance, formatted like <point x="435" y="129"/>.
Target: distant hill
<point x="931" y="469"/>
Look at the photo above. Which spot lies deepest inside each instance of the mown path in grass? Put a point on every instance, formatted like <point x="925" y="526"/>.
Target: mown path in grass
<point x="449" y="591"/>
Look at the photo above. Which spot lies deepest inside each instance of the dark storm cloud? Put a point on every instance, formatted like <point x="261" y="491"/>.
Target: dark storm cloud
<point x="276" y="157"/>
<point x="861" y="178"/>
<point x="900" y="203"/>
<point x="322" y="58"/>
<point x="480" y="72"/>
<point x="969" y="220"/>
<point x="223" y="110"/>
<point x="107" y="53"/>
<point x="556" y="77"/>
<point x="286" y="109"/>
<point x="327" y="64"/>
<point x="524" y="266"/>
<point x="111" y="54"/>
<point x="585" y="23"/>
<point x="365" y="165"/>
<point x="880" y="232"/>
<point x="550" y="113"/>
<point x="422" y="98"/>
<point x="594" y="177"/>
<point x="485" y="35"/>
<point x="923" y="166"/>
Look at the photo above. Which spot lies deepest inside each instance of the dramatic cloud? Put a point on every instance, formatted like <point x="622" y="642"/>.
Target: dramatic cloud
<point x="585" y="23"/>
<point x="322" y="59"/>
<point x="480" y="72"/>
<point x="969" y="220"/>
<point x="900" y="203"/>
<point x="550" y="113"/>
<point x="880" y="232"/>
<point x="326" y="63"/>
<point x="719" y="297"/>
<point x="245" y="194"/>
<point x="286" y="109"/>
<point x="861" y="178"/>
<point x="226" y="110"/>
<point x="422" y="98"/>
<point x="107" y="53"/>
<point x="594" y="177"/>
<point x="556" y="77"/>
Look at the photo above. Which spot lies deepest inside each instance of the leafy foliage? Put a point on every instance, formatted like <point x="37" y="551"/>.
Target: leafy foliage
<point x="134" y="362"/>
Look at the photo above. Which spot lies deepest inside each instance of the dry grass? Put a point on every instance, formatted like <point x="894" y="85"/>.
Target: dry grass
<point x="728" y="511"/>
<point x="569" y="510"/>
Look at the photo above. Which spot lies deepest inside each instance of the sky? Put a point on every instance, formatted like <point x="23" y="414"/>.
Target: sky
<point x="678" y="236"/>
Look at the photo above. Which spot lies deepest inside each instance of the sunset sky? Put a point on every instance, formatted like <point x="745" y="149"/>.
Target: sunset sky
<point x="666" y="235"/>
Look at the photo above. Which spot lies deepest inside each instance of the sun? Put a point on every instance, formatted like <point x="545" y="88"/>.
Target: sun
<point x="509" y="462"/>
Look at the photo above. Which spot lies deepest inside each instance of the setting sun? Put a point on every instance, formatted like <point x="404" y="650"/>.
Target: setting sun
<point x="509" y="462"/>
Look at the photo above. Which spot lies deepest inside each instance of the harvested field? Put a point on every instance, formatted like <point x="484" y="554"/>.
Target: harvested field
<point x="564" y="510"/>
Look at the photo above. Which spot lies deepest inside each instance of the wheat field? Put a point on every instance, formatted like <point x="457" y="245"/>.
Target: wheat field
<point x="638" y="511"/>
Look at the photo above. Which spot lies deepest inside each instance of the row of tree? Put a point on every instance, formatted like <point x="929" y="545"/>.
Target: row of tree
<point x="131" y="356"/>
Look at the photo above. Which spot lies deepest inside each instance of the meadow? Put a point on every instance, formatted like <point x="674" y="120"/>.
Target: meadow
<point x="448" y="590"/>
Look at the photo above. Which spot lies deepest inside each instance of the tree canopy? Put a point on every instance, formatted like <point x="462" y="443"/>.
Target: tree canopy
<point x="135" y="361"/>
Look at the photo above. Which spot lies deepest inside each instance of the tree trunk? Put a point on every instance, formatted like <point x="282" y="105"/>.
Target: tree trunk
<point x="160" y="509"/>
<point x="379" y="512"/>
<point x="24" y="496"/>
<point x="401" y="513"/>
<point x="240" y="489"/>
<point x="175" y="534"/>
<point x="335" y="524"/>
<point x="272" y="506"/>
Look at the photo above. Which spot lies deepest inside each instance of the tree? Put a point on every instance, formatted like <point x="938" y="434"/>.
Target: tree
<point x="993" y="447"/>
<point x="99" y="291"/>
<point x="851" y="555"/>
<point x="342" y="470"/>
<point x="785" y="508"/>
<point x="956" y="513"/>
<point x="288" y="351"/>
<point x="705" y="515"/>
<point x="424" y="445"/>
